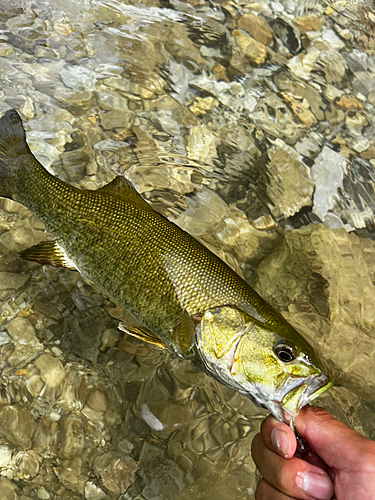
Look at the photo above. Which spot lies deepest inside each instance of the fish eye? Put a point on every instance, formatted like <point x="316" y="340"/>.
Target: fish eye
<point x="284" y="352"/>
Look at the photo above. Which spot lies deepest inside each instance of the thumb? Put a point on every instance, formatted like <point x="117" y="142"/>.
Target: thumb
<point x="338" y="445"/>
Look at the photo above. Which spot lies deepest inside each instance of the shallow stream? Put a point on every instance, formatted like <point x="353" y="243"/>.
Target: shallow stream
<point x="252" y="126"/>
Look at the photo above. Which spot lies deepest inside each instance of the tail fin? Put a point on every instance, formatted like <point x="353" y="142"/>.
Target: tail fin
<point x="13" y="146"/>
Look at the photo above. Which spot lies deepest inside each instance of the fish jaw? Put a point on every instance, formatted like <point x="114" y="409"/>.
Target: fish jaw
<point x="287" y="402"/>
<point x="290" y="403"/>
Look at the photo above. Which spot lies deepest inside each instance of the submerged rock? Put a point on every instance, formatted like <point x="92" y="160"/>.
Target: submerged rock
<point x="8" y="489"/>
<point x="25" y="346"/>
<point x="115" y="472"/>
<point x="51" y="370"/>
<point x="254" y="50"/>
<point x="17" y="425"/>
<point x="290" y="185"/>
<point x="257" y="27"/>
<point x="328" y="173"/>
<point x="71" y="436"/>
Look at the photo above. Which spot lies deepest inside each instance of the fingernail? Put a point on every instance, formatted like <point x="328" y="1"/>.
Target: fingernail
<point x="314" y="484"/>
<point x="280" y="441"/>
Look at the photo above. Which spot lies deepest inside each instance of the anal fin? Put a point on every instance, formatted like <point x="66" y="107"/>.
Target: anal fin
<point x="48" y="252"/>
<point x="141" y="334"/>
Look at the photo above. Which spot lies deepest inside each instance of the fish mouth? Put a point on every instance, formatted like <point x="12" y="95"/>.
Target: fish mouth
<point x="302" y="393"/>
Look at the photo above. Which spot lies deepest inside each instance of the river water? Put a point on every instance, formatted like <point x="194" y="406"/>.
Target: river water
<point x="250" y="125"/>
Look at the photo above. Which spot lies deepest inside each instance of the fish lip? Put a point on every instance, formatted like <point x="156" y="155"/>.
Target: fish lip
<point x="321" y="381"/>
<point x="314" y="386"/>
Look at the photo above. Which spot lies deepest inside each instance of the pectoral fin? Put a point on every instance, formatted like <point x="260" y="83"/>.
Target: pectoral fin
<point x="184" y="336"/>
<point x="141" y="334"/>
<point x="48" y="252"/>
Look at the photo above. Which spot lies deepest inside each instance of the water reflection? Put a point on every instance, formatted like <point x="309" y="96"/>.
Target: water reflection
<point x="252" y="127"/>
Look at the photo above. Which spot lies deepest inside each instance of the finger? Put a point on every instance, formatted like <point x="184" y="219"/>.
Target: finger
<point x="333" y="441"/>
<point x="278" y="437"/>
<point x="313" y="459"/>
<point x="293" y="476"/>
<point x="265" y="491"/>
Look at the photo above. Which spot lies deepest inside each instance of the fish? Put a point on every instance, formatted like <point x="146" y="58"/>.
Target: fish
<point x="179" y="295"/>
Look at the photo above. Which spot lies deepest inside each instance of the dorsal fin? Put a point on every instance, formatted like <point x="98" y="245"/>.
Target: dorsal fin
<point x="121" y="188"/>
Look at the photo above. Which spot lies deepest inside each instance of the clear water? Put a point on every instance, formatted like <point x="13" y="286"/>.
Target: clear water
<point x="263" y="150"/>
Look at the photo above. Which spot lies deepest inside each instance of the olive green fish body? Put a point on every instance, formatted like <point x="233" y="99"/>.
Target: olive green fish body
<point x="137" y="257"/>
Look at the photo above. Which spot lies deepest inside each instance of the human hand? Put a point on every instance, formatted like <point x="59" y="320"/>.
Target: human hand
<point x="340" y="465"/>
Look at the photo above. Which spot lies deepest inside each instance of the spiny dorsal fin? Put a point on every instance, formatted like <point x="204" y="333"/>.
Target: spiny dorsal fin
<point x="121" y="188"/>
<point x="142" y="334"/>
<point x="48" y="252"/>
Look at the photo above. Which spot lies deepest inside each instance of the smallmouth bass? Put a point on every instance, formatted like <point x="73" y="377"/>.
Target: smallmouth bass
<point x="183" y="296"/>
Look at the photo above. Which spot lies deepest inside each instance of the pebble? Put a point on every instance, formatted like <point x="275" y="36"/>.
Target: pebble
<point x="93" y="492"/>
<point x="333" y="66"/>
<point x="71" y="427"/>
<point x="290" y="187"/>
<point x="115" y="119"/>
<point x="300" y="110"/>
<point x="257" y="27"/>
<point x="72" y="474"/>
<point x="43" y="304"/>
<point x="5" y="456"/>
<point x="255" y="51"/>
<point x="21" y="235"/>
<point x="197" y="218"/>
<point x="125" y="446"/>
<point x="17" y="426"/>
<point x="97" y="400"/>
<point x="264" y="223"/>
<point x="43" y="493"/>
<point x="328" y="174"/>
<point x="115" y="472"/>
<point x="26" y="345"/>
<point x="109" y="101"/>
<point x="307" y="22"/>
<point x="219" y="72"/>
<point x="364" y="82"/>
<point x="202" y="144"/>
<point x="333" y="40"/>
<point x="4" y="338"/>
<point x="51" y="370"/>
<point x="78" y="77"/>
<point x="348" y="102"/>
<point x="8" y="489"/>
<point x="6" y="50"/>
<point x="28" y="464"/>
<point x="109" y="339"/>
<point x="34" y="385"/>
<point x="202" y="105"/>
